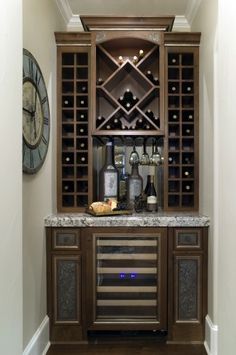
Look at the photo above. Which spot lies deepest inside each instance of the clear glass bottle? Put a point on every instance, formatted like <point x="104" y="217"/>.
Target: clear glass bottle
<point x="135" y="185"/>
<point x="108" y="177"/>
<point x="151" y="196"/>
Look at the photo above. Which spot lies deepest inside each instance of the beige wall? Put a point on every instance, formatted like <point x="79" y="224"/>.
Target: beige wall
<point x="205" y="22"/>
<point x="11" y="178"/>
<point x="226" y="175"/>
<point x="40" y="20"/>
<point x="216" y="20"/>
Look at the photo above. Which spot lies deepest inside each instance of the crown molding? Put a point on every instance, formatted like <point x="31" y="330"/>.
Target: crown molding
<point x="191" y="10"/>
<point x="181" y="24"/>
<point x="71" y="20"/>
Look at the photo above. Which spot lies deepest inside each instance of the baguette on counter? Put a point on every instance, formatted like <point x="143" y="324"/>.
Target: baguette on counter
<point x="103" y="206"/>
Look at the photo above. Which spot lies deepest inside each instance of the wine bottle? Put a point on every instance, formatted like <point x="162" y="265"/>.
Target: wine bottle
<point x="83" y="160"/>
<point x="135" y="185"/>
<point x="120" y="59"/>
<point x="151" y="196"/>
<point x="109" y="126"/>
<point x="128" y="96"/>
<point x="140" y="54"/>
<point x="157" y="121"/>
<point x="147" y="184"/>
<point x="82" y="116"/>
<point x="139" y="123"/>
<point x="108" y="177"/>
<point x="84" y="88"/>
<point x="186" y="173"/>
<point x="156" y="81"/>
<point x="173" y="88"/>
<point x="82" y="145"/>
<point x="149" y="114"/>
<point x="149" y="75"/>
<point x="187" y="131"/>
<point x="174" y="116"/>
<point x="82" y="103"/>
<point x="135" y="100"/>
<point x="121" y="100"/>
<point x="186" y="160"/>
<point x="99" y="81"/>
<point x="190" y="117"/>
<point x="135" y="59"/>
<point x="116" y="123"/>
<point x="100" y="120"/>
<point x="123" y="182"/>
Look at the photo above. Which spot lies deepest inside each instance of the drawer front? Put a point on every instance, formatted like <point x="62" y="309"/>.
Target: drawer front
<point x="66" y="239"/>
<point x="188" y="239"/>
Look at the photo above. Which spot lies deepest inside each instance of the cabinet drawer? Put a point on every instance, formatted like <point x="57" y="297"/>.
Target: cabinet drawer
<point x="66" y="239"/>
<point x="188" y="239"/>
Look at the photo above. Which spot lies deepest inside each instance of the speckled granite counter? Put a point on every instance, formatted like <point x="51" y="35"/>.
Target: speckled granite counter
<point x="135" y="220"/>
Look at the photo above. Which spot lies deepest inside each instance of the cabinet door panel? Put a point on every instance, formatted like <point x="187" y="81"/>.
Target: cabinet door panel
<point x="66" y="289"/>
<point x="66" y="239"/>
<point x="187" y="290"/>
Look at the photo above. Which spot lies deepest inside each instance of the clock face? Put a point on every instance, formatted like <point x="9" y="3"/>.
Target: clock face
<point x="36" y="116"/>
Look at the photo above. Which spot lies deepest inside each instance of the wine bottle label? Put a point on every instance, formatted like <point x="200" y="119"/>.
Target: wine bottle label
<point x="135" y="189"/>
<point x="151" y="200"/>
<point x="110" y="184"/>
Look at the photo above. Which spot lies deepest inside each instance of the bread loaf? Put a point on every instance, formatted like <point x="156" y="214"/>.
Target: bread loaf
<point x="100" y="207"/>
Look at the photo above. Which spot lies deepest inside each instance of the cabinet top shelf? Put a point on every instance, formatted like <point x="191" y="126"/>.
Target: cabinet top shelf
<point x="112" y="23"/>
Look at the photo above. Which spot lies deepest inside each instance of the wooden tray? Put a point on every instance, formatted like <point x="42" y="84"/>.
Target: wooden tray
<point x="111" y="213"/>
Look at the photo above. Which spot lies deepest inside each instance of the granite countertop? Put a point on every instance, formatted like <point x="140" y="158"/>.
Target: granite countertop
<point x="160" y="219"/>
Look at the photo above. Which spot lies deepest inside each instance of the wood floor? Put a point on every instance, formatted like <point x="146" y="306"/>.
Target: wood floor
<point x="126" y="346"/>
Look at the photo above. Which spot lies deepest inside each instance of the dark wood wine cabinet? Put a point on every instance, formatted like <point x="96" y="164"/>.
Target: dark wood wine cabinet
<point x="95" y="68"/>
<point x="127" y="278"/>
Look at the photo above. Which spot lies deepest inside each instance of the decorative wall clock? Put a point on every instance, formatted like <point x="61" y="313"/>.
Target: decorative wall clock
<point x="36" y="115"/>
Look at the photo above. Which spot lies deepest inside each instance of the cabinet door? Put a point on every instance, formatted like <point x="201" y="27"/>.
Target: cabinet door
<point x="66" y="274"/>
<point x="66" y="298"/>
<point x="128" y="279"/>
<point x="74" y="110"/>
<point x="187" y="283"/>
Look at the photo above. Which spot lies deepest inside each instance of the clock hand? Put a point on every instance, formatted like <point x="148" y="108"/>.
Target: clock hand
<point x="35" y="100"/>
<point x="35" y="133"/>
<point x="28" y="111"/>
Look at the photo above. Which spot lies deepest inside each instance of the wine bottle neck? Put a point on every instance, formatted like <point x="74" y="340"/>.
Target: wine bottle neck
<point x="109" y="154"/>
<point x="134" y="170"/>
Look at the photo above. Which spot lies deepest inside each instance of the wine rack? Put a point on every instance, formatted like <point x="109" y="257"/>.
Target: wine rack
<point x="181" y="170"/>
<point x="132" y="84"/>
<point x="73" y="126"/>
<point x="128" y="94"/>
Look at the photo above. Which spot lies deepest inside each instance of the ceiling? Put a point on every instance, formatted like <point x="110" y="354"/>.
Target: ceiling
<point x="184" y="10"/>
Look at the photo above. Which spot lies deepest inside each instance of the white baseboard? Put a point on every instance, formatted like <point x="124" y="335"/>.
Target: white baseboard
<point x="211" y="342"/>
<point x="39" y="344"/>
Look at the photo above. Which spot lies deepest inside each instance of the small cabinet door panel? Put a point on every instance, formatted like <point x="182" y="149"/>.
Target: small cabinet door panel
<point x="66" y="289"/>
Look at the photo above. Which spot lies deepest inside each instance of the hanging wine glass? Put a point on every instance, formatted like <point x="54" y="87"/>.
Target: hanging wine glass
<point x="144" y="160"/>
<point x="156" y="157"/>
<point x="134" y="157"/>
